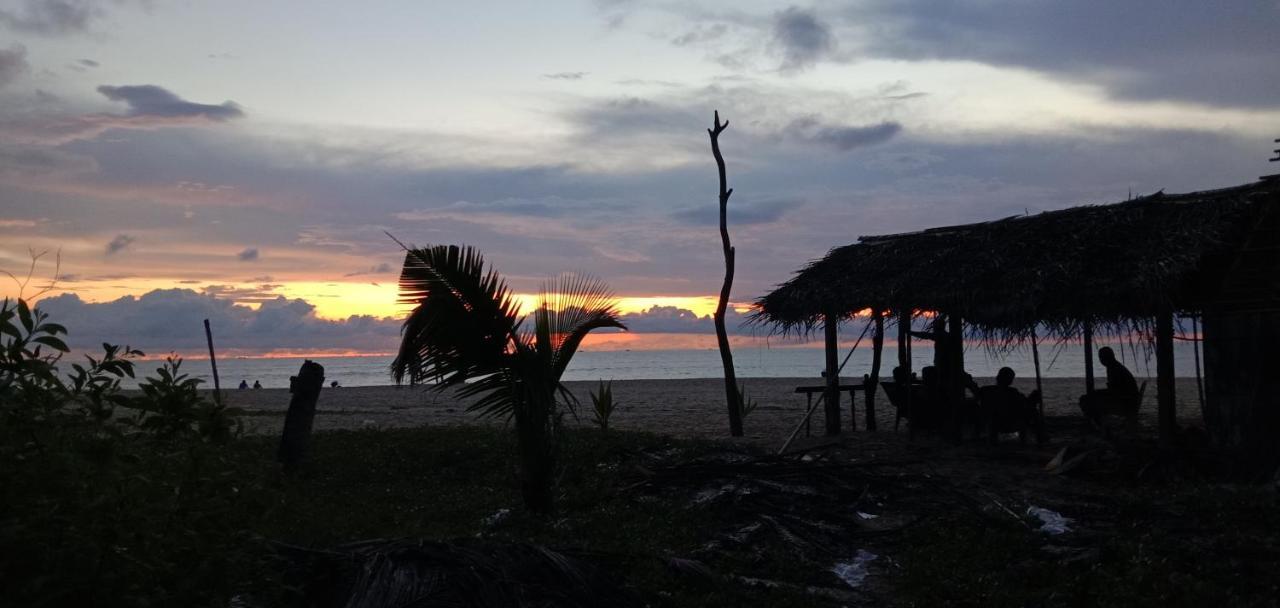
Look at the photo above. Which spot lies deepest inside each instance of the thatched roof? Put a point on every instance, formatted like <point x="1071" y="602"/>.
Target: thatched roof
<point x="1107" y="264"/>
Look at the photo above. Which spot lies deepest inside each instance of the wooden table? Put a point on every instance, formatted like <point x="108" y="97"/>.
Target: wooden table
<point x="853" y="402"/>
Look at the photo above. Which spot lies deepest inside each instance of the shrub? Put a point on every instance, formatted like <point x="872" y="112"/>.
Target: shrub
<point x="602" y="405"/>
<point x="116" y="500"/>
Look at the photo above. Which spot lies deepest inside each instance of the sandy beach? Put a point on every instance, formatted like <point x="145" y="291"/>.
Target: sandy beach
<point x="686" y="408"/>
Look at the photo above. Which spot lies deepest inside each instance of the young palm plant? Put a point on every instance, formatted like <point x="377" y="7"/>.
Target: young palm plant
<point x="466" y="331"/>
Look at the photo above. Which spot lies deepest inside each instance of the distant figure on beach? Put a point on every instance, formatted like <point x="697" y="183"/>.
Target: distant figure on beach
<point x="1004" y="409"/>
<point x="257" y="384"/>
<point x="244" y="384"/>
<point x="1121" y="396"/>
<point x="334" y="384"/>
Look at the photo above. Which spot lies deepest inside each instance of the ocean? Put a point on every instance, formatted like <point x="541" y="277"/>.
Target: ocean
<point x="1057" y="361"/>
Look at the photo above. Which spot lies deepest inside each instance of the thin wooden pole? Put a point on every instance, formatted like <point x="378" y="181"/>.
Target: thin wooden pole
<point x="904" y="338"/>
<point x="1088" y="358"/>
<point x="1035" y="357"/>
<point x="830" y="323"/>
<point x="213" y="362"/>
<point x="1195" y="336"/>
<point x="955" y="360"/>
<point x="1164" y="378"/>
<point x="873" y="380"/>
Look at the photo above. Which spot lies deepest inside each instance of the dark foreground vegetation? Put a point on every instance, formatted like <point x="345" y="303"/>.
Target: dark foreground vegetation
<point x="659" y="522"/>
<point x="154" y="499"/>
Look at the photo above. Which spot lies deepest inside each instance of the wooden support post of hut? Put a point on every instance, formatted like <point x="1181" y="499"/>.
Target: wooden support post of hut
<point x="955" y="379"/>
<point x="296" y="437"/>
<point x="1164" y="378"/>
<point x="830" y="324"/>
<point x="872" y="381"/>
<point x="1088" y="358"/>
<point x="903" y="383"/>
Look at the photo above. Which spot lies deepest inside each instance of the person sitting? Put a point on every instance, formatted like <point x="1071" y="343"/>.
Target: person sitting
<point x="1121" y="397"/>
<point x="257" y="384"/>
<point x="1004" y="409"/>
<point x="334" y="384"/>
<point x="243" y="385"/>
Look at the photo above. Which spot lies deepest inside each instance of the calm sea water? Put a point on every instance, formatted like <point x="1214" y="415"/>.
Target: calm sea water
<point x="754" y="362"/>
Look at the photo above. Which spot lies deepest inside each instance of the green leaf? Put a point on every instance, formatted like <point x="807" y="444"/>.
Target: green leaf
<point x="24" y="315"/>
<point x="52" y="342"/>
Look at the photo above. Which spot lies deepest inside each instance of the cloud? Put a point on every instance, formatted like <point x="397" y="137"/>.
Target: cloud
<point x="566" y="76"/>
<point x="382" y="268"/>
<point x="674" y="320"/>
<point x="248" y="255"/>
<point x="13" y="63"/>
<point x="701" y="34"/>
<point x="120" y="243"/>
<point x="172" y="320"/>
<point x="149" y="107"/>
<point x="32" y="163"/>
<point x="1218" y="53"/>
<point x="88" y="63"/>
<point x="151" y="100"/>
<point x="52" y="17"/>
<point x="801" y="38"/>
<point x="810" y="129"/>
<point x="741" y="213"/>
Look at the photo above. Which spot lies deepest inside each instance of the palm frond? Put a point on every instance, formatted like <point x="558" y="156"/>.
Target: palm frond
<point x="464" y="319"/>
<point x="570" y="307"/>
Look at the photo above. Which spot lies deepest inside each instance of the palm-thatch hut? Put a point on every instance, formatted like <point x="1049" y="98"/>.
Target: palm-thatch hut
<point x="1213" y="255"/>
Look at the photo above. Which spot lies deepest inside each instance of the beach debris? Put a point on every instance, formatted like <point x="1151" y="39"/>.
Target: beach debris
<point x="711" y="494"/>
<point x="854" y="572"/>
<point x="690" y="567"/>
<point x="496" y="518"/>
<point x="1051" y="522"/>
<point x="457" y="573"/>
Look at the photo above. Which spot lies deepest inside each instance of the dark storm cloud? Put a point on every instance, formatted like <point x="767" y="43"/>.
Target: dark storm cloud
<point x="1218" y="53"/>
<point x="740" y="212"/>
<point x="802" y="39"/>
<point x="566" y="76"/>
<point x="119" y="243"/>
<point x="170" y="319"/>
<point x="151" y="100"/>
<point x="248" y="255"/>
<point x="13" y="63"/>
<point x="51" y="17"/>
<point x="841" y="138"/>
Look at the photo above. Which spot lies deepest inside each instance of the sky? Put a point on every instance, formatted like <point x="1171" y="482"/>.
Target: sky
<point x="246" y="160"/>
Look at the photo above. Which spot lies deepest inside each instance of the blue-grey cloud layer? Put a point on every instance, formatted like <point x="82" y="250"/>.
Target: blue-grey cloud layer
<point x="154" y="101"/>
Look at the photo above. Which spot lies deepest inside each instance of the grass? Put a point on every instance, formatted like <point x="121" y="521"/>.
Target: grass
<point x="1163" y="543"/>
<point x="449" y="482"/>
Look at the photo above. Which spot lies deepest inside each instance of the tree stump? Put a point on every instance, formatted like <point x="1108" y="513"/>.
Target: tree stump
<point x="305" y="388"/>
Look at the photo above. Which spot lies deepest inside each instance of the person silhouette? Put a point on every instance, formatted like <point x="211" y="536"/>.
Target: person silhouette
<point x="257" y="384"/>
<point x="1121" y="397"/>
<point x="243" y="385"/>
<point x="1004" y="409"/>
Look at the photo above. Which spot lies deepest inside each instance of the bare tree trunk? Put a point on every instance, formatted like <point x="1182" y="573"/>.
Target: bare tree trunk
<point x="722" y="335"/>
